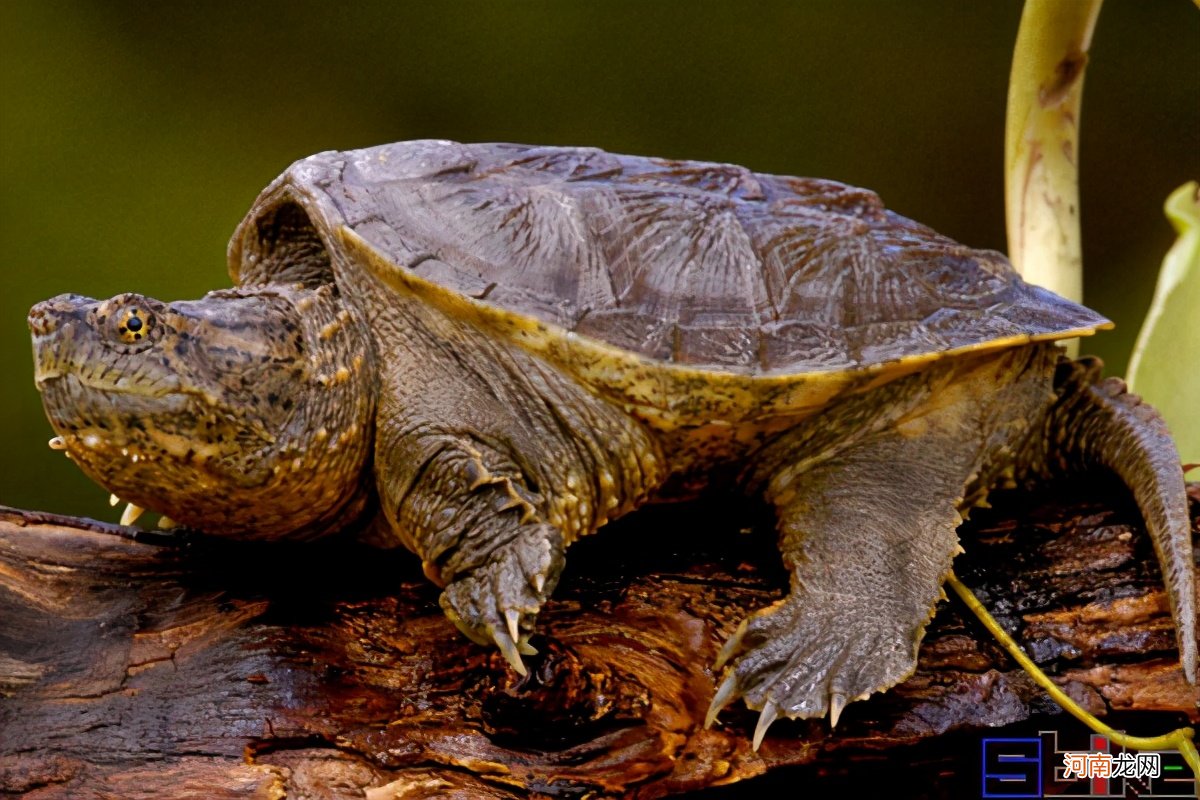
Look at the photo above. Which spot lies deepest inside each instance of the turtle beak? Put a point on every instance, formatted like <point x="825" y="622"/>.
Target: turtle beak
<point x="54" y="323"/>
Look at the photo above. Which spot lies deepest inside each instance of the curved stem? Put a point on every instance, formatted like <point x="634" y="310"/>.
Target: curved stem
<point x="1180" y="739"/>
<point x="1041" y="143"/>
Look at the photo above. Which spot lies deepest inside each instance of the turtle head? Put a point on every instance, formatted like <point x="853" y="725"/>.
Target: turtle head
<point x="245" y="413"/>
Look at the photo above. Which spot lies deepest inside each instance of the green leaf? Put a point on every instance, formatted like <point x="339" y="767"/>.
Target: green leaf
<point x="1165" y="366"/>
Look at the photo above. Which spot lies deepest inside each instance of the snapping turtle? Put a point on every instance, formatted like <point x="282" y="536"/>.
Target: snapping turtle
<point x="492" y="350"/>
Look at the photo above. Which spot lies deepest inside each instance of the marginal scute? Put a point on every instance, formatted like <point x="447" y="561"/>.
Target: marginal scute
<point x="284" y="246"/>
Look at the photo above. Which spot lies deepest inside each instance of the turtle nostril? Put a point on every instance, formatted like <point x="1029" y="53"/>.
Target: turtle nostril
<point x="42" y="321"/>
<point x="49" y="315"/>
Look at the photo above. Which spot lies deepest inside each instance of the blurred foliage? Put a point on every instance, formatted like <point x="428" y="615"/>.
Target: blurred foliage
<point x="133" y="136"/>
<point x="1165" y="366"/>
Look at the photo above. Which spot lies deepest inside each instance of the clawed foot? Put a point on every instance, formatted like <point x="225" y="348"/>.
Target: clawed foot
<point x="498" y="601"/>
<point x="801" y="659"/>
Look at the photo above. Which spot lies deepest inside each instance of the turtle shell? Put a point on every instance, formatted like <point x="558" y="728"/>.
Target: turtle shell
<point x="652" y="273"/>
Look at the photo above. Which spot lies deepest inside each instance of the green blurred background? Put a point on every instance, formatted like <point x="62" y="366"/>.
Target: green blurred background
<point x="133" y="136"/>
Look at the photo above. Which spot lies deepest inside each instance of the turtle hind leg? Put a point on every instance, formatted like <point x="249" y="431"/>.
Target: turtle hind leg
<point x="1097" y="422"/>
<point x="868" y="536"/>
<point x="869" y="531"/>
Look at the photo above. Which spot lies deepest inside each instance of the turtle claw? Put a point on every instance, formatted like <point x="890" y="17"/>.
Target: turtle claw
<point x="837" y="702"/>
<point x="731" y="646"/>
<point x="508" y="649"/>
<point x="769" y="714"/>
<point x="511" y="618"/>
<point x="498" y="601"/>
<point x="482" y="611"/>
<point x="722" y="698"/>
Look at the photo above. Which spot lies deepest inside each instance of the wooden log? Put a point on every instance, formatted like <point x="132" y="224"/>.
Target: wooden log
<point x="148" y="665"/>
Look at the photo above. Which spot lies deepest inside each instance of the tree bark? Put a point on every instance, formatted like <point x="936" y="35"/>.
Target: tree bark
<point x="147" y="665"/>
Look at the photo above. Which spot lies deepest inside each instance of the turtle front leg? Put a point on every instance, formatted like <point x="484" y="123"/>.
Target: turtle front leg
<point x="498" y="601"/>
<point x="492" y="525"/>
<point x="482" y="534"/>
<point x="489" y="463"/>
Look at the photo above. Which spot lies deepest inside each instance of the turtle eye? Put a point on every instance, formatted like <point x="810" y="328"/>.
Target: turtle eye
<point x="134" y="324"/>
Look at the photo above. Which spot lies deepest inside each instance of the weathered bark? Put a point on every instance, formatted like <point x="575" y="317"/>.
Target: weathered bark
<point x="161" y="666"/>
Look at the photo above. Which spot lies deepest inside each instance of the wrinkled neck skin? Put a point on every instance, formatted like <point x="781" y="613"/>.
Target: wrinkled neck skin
<point x="246" y="413"/>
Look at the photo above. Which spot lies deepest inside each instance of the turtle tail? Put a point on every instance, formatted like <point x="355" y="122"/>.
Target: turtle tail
<point x="1096" y="421"/>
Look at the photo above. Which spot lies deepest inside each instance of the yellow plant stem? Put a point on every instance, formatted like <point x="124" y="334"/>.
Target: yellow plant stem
<point x="1041" y="143"/>
<point x="1180" y="739"/>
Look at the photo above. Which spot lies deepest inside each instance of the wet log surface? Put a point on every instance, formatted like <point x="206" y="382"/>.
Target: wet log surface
<point x="176" y="666"/>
